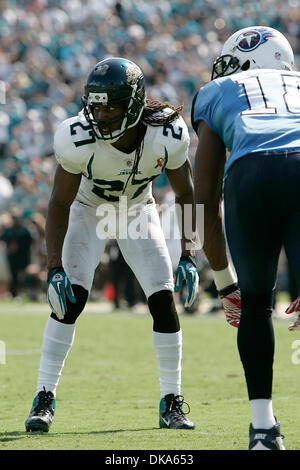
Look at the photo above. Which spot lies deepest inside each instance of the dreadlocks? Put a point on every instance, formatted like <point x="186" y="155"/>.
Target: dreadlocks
<point x="153" y="115"/>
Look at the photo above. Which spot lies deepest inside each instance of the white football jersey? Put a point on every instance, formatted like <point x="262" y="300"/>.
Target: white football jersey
<point x="105" y="169"/>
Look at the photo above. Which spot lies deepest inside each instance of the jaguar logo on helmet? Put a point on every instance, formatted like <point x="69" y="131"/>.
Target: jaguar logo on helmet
<point x="250" y="40"/>
<point x="133" y="73"/>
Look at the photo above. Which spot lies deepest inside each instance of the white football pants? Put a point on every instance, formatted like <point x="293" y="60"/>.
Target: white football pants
<point x="140" y="239"/>
<point x="146" y="252"/>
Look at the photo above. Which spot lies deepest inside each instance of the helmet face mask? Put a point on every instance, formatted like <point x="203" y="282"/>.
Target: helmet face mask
<point x="111" y="81"/>
<point x="105" y="128"/>
<point x="225" y="65"/>
<point x="255" y="47"/>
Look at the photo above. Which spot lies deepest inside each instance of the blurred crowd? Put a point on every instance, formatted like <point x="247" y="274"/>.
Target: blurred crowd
<point x="46" y="50"/>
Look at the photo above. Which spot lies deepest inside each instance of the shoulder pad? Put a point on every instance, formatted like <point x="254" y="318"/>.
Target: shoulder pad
<point x="72" y="144"/>
<point x="177" y="132"/>
<point x="176" y="142"/>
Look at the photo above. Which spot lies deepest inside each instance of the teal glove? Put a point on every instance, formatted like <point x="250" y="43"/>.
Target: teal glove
<point x="58" y="289"/>
<point x="187" y="271"/>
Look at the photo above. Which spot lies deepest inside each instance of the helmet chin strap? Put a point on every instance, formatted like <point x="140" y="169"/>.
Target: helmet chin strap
<point x="114" y="139"/>
<point x="115" y="135"/>
<point x="97" y="131"/>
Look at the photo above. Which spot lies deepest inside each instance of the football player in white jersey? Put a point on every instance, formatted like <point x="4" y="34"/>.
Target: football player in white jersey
<point x="108" y="157"/>
<point x="247" y="120"/>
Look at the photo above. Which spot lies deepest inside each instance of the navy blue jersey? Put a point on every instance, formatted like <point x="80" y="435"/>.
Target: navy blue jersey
<point x="252" y="112"/>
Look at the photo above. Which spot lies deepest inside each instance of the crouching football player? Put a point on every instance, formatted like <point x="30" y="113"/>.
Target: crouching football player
<point x="112" y="150"/>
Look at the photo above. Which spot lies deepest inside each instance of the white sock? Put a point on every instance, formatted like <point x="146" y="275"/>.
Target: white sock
<point x="262" y="413"/>
<point x="168" y="348"/>
<point x="57" y="341"/>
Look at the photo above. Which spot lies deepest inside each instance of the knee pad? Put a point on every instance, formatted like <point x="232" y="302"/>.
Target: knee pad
<point x="74" y="310"/>
<point x="162" y="308"/>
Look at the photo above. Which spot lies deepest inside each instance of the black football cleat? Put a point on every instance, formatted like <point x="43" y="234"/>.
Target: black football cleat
<point x="42" y="412"/>
<point x="266" y="439"/>
<point x="171" y="415"/>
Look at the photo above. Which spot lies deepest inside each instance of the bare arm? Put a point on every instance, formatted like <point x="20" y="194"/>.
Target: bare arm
<point x="181" y="182"/>
<point x="64" y="191"/>
<point x="209" y="167"/>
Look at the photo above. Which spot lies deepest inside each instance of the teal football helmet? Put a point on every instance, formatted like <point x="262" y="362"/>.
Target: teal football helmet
<point x="114" y="80"/>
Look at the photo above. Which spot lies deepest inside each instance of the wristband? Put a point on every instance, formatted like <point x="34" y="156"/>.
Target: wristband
<point x="228" y="290"/>
<point x="188" y="258"/>
<point x="53" y="271"/>
<point x="224" y="278"/>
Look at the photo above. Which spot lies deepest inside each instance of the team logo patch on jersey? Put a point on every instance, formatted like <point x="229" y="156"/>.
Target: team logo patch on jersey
<point x="250" y="40"/>
<point x="160" y="162"/>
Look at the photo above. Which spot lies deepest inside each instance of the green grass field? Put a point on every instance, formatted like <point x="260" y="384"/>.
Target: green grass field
<point x="109" y="391"/>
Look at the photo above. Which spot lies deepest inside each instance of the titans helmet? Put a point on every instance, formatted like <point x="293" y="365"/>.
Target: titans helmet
<point x="255" y="47"/>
